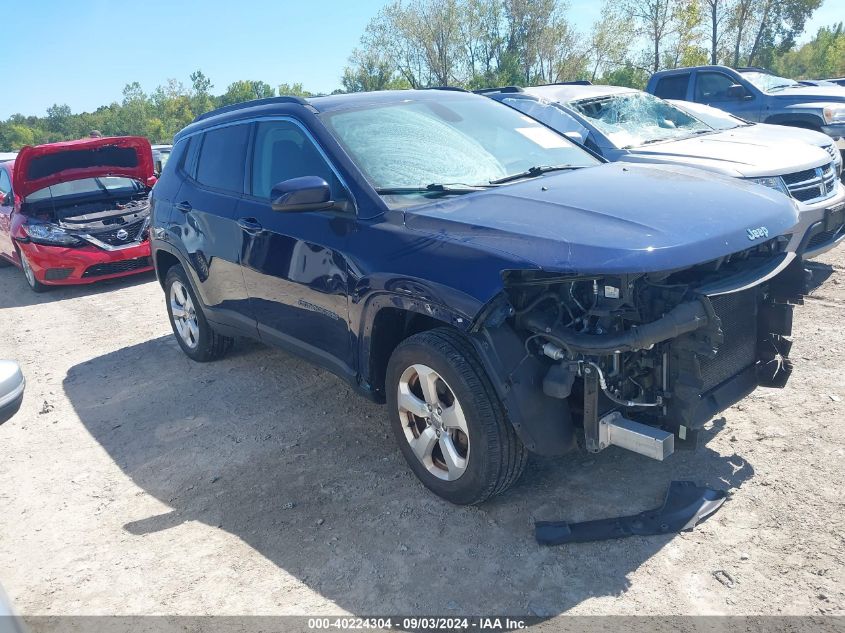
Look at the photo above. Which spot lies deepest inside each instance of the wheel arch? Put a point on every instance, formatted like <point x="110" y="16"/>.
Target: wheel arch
<point x="389" y="319"/>
<point x="803" y="120"/>
<point x="164" y="260"/>
<point x="543" y="424"/>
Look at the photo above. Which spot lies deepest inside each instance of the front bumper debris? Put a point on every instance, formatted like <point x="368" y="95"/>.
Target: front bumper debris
<point x="685" y="506"/>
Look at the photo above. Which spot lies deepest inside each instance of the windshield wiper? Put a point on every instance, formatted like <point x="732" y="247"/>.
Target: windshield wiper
<point x="671" y="138"/>
<point x="102" y="187"/>
<point x="435" y="188"/>
<point x="532" y="172"/>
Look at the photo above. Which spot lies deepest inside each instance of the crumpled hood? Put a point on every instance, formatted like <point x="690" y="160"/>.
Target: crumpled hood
<point x="613" y="218"/>
<point x="44" y="165"/>
<point x="737" y="155"/>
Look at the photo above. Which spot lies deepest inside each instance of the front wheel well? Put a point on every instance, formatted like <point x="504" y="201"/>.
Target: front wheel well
<point x="390" y="327"/>
<point x="164" y="261"/>
<point x="805" y="122"/>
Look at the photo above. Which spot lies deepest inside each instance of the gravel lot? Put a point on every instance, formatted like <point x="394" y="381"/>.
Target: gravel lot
<point x="138" y="482"/>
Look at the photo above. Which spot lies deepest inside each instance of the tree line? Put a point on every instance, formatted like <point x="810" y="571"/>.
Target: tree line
<point x="481" y="43"/>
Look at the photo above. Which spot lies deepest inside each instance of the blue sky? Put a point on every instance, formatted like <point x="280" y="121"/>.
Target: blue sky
<point x="76" y="52"/>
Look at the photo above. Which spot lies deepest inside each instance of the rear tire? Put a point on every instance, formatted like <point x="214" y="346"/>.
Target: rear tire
<point x="459" y="443"/>
<point x="29" y="274"/>
<point x="193" y="332"/>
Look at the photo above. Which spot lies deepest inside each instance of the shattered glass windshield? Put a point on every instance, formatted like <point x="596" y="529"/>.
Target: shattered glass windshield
<point x="767" y="82"/>
<point x="632" y="119"/>
<point x="448" y="147"/>
<point x="715" y="118"/>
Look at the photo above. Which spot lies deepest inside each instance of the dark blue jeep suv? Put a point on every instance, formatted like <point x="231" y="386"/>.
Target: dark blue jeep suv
<point x="502" y="289"/>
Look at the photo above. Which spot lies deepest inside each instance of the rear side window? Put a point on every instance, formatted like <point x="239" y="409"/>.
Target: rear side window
<point x="283" y="151"/>
<point x="223" y="157"/>
<point x="178" y="154"/>
<point x="672" y="87"/>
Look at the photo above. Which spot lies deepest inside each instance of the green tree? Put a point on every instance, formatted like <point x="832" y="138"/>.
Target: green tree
<point x="16" y="136"/>
<point x="201" y="99"/>
<point x="60" y="122"/>
<point x="294" y="90"/>
<point x="246" y="90"/>
<point x="610" y="40"/>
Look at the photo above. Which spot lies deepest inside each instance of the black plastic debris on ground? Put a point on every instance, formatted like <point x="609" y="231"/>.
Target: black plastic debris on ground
<point x="685" y="506"/>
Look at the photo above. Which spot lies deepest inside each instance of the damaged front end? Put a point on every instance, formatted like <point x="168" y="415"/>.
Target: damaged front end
<point x="111" y="224"/>
<point x="640" y="359"/>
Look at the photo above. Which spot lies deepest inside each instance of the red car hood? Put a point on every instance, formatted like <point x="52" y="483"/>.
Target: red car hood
<point x="44" y="165"/>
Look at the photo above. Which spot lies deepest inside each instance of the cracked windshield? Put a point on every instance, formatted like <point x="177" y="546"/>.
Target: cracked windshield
<point x="634" y="119"/>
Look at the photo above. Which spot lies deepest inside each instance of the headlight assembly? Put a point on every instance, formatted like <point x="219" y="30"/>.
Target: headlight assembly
<point x="772" y="182"/>
<point x="834" y="114"/>
<point x="50" y="234"/>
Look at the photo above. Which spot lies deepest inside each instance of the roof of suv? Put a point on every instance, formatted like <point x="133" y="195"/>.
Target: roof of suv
<point x="687" y="69"/>
<point x="327" y="103"/>
<point x="356" y="99"/>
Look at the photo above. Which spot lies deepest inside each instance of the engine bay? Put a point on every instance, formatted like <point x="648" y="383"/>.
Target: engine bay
<point x="654" y="347"/>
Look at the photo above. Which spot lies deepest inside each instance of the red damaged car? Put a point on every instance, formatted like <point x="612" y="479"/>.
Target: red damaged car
<point x="77" y="212"/>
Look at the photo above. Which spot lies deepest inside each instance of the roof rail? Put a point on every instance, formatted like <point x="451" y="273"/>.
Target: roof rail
<point x="452" y="88"/>
<point x="484" y="91"/>
<point x="577" y="82"/>
<point x="250" y="104"/>
<point x="756" y="69"/>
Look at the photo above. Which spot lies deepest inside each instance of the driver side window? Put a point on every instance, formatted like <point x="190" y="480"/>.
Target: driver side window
<point x="711" y="87"/>
<point x="283" y="151"/>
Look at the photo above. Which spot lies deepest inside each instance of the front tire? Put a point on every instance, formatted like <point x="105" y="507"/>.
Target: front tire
<point x="448" y="420"/>
<point x="29" y="274"/>
<point x="193" y="332"/>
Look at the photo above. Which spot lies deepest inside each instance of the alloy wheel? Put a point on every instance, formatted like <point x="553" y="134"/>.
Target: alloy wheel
<point x="433" y="422"/>
<point x="184" y="315"/>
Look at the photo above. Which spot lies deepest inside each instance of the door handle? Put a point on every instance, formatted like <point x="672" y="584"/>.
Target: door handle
<point x="183" y="206"/>
<point x="250" y="225"/>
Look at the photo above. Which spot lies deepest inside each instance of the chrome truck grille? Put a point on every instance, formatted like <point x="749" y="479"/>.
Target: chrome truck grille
<point x="812" y="185"/>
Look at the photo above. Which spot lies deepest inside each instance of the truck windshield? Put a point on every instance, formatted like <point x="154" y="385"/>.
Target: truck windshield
<point x="767" y="82"/>
<point x="413" y="150"/>
<point x="632" y="119"/>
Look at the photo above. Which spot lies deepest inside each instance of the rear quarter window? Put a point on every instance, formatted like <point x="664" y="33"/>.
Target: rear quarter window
<point x="672" y="87"/>
<point x="222" y="158"/>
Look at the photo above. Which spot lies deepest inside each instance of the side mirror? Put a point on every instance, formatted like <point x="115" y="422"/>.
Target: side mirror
<point x="307" y="193"/>
<point x="737" y="91"/>
<point x="12" y="385"/>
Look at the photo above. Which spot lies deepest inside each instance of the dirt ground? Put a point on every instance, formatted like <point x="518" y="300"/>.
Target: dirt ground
<point x="138" y="482"/>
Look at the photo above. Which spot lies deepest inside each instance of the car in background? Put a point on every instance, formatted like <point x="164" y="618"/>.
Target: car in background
<point x="6" y="156"/>
<point x="756" y="94"/>
<point x="839" y="81"/>
<point x="502" y="289"/>
<point x="624" y="124"/>
<point x="740" y="128"/>
<point x="77" y="212"/>
<point x="12" y="385"/>
<point x="160" y="155"/>
<point x="815" y="82"/>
